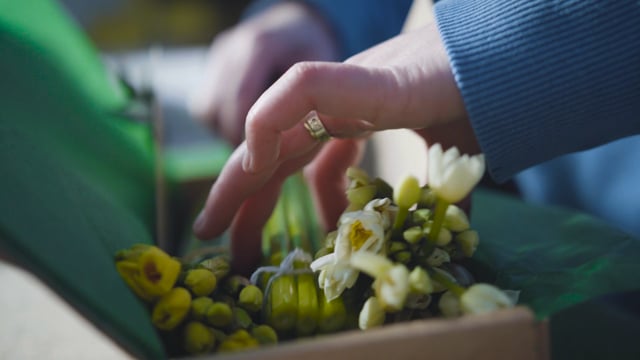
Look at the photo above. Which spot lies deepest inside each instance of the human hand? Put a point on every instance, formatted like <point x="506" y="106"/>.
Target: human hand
<point x="405" y="82"/>
<point x="244" y="60"/>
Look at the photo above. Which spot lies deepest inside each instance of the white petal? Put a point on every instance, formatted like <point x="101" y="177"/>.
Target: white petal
<point x="323" y="262"/>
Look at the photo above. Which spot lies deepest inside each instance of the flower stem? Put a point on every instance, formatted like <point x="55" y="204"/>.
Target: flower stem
<point x="448" y="283"/>
<point x="438" y="219"/>
<point x="400" y="218"/>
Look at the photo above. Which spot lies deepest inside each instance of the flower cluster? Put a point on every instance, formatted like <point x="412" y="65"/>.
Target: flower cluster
<point x="200" y="305"/>
<point x="407" y="243"/>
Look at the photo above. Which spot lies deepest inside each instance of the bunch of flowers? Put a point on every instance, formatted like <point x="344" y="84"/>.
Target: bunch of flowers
<point x="396" y="255"/>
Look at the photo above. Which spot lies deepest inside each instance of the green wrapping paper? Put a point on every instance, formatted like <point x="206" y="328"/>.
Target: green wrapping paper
<point x="77" y="185"/>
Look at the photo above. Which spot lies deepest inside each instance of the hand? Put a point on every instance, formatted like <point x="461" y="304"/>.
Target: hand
<point x="405" y="82"/>
<point x="245" y="60"/>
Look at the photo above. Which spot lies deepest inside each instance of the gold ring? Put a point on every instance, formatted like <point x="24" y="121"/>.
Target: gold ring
<point x="315" y="127"/>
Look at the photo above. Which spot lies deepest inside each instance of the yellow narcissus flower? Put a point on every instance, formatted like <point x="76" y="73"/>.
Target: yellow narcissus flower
<point x="391" y="282"/>
<point x="357" y="231"/>
<point x="171" y="309"/>
<point x="483" y="298"/>
<point x="452" y="176"/>
<point x="149" y="271"/>
<point x="371" y="315"/>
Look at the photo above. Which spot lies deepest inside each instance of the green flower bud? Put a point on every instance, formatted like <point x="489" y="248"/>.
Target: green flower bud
<point x="198" y="339"/>
<point x="358" y="197"/>
<point x="239" y="340"/>
<point x="444" y="235"/>
<point x="357" y="177"/>
<point x="438" y="257"/>
<point x="371" y="315"/>
<point x="250" y="298"/>
<point x="241" y="319"/>
<point x="199" y="307"/>
<point x="449" y="305"/>
<point x="413" y="235"/>
<point x="420" y="281"/>
<point x="455" y="219"/>
<point x="264" y="334"/>
<point x="201" y="282"/>
<point x="218" y="265"/>
<point x="407" y="193"/>
<point x="171" y="309"/>
<point x="219" y="314"/>
<point x="468" y="241"/>
<point x="421" y="216"/>
<point x="234" y="284"/>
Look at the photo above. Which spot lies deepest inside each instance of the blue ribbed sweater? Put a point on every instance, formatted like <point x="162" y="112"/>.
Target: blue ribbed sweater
<point x="542" y="81"/>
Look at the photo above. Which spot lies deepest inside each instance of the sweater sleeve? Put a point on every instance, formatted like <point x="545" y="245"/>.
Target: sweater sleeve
<point x="356" y="24"/>
<point x="543" y="78"/>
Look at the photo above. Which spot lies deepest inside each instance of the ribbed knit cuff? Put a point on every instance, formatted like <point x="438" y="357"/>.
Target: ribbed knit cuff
<point x="543" y="78"/>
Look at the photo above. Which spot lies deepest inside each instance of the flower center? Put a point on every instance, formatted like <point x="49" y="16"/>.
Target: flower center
<point x="151" y="272"/>
<point x="358" y="234"/>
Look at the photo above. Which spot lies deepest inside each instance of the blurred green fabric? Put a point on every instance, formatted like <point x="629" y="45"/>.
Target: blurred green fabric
<point x="77" y="185"/>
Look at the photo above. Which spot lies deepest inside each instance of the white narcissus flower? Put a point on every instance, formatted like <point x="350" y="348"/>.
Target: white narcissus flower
<point x="391" y="282"/>
<point x="483" y="298"/>
<point x="371" y="315"/>
<point x="452" y="176"/>
<point x="357" y="231"/>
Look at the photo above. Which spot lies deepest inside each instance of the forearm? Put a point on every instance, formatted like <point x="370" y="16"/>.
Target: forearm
<point x="543" y="78"/>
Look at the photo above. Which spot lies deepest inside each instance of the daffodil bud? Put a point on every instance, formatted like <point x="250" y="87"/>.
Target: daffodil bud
<point x="218" y="265"/>
<point x="392" y="289"/>
<point x="444" y="235"/>
<point x="171" y="309"/>
<point x="198" y="339"/>
<point x="149" y="271"/>
<point x="483" y="298"/>
<point x="449" y="305"/>
<point x="357" y="177"/>
<point x="438" y="257"/>
<point x="421" y="216"/>
<point x="420" y="281"/>
<point x="455" y="219"/>
<point x="199" y="307"/>
<point x="468" y="241"/>
<point x="239" y="340"/>
<point x="241" y="319"/>
<point x="413" y="235"/>
<point x="219" y="314"/>
<point x="232" y="285"/>
<point x="371" y="315"/>
<point x="358" y="197"/>
<point x="201" y="282"/>
<point x="407" y="193"/>
<point x="264" y="334"/>
<point x="437" y="286"/>
<point x="250" y="298"/>
<point x="403" y="257"/>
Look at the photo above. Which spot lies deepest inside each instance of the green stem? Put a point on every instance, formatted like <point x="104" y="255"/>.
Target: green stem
<point x="448" y="283"/>
<point x="400" y="218"/>
<point x="438" y="220"/>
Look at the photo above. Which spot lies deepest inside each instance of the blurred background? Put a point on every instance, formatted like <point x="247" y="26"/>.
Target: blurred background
<point x="162" y="43"/>
<point x="121" y="25"/>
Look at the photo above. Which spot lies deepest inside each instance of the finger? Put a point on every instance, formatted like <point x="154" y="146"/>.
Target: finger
<point x="326" y="176"/>
<point x="234" y="186"/>
<point x="246" y="230"/>
<point x="338" y="90"/>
